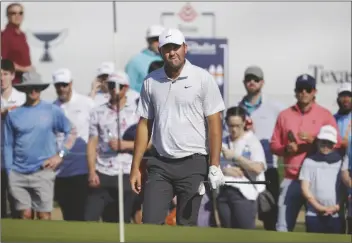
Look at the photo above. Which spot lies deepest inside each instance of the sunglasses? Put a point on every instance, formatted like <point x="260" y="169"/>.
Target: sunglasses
<point x="250" y="78"/>
<point x="112" y="85"/>
<point x="326" y="143"/>
<point x="64" y="85"/>
<point x="16" y="13"/>
<point x="308" y="89"/>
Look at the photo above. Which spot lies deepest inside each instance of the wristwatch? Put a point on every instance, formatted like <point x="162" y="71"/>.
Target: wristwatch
<point x="61" y="154"/>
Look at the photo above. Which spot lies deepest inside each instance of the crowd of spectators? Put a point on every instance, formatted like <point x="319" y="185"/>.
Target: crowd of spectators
<point x="71" y="151"/>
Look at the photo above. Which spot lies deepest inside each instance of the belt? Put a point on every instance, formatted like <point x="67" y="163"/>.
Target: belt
<point x="166" y="159"/>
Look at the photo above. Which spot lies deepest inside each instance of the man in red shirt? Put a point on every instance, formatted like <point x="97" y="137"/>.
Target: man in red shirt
<point x="293" y="137"/>
<point x="14" y="45"/>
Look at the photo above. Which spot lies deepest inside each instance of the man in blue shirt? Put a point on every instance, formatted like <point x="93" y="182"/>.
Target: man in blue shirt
<point x="137" y="67"/>
<point x="343" y="119"/>
<point x="30" y="149"/>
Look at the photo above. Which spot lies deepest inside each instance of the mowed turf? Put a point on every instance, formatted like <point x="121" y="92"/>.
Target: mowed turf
<point x="61" y="231"/>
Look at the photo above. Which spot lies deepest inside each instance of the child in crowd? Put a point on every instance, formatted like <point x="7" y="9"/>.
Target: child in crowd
<point x="320" y="179"/>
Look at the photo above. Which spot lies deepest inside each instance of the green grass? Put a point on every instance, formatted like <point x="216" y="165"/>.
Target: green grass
<point x="61" y="231"/>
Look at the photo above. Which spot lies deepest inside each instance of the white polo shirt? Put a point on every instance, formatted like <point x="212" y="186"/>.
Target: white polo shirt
<point x="104" y="121"/>
<point x="179" y="109"/>
<point x="77" y="110"/>
<point x="16" y="98"/>
<point x="256" y="154"/>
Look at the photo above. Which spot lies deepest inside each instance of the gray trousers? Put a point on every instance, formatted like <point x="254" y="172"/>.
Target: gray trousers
<point x="174" y="177"/>
<point x="235" y="211"/>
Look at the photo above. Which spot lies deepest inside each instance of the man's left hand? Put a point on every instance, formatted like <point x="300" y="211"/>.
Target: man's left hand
<point x="53" y="162"/>
<point x="216" y="177"/>
<point x="306" y="137"/>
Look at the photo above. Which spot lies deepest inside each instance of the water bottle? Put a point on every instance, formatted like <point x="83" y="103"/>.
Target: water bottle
<point x="246" y="152"/>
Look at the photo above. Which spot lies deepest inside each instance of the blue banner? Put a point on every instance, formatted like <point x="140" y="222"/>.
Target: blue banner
<point x="212" y="55"/>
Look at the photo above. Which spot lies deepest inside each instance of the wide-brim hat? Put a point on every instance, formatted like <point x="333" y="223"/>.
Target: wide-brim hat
<point x="31" y="79"/>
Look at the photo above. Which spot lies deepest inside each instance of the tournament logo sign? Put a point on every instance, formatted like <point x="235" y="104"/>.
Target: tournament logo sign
<point x="212" y="55"/>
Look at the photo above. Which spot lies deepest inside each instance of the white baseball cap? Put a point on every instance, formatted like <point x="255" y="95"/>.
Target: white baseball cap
<point x="62" y="75"/>
<point x="119" y="77"/>
<point x="154" y="31"/>
<point x="328" y="132"/>
<point x="106" y="68"/>
<point x="345" y="87"/>
<point x="173" y="36"/>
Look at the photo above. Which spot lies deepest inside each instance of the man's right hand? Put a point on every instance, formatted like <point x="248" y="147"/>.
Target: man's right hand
<point x="93" y="180"/>
<point x="136" y="180"/>
<point x="292" y="148"/>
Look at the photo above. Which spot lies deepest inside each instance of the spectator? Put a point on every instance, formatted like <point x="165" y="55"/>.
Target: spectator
<point x="237" y="203"/>
<point x="137" y="67"/>
<point x="343" y="115"/>
<point x="10" y="99"/>
<point x="14" y="44"/>
<point x="347" y="180"/>
<point x="343" y="119"/>
<point x="295" y="131"/>
<point x="182" y="100"/>
<point x="113" y="151"/>
<point x="263" y="113"/>
<point x="320" y="179"/>
<point x="30" y="149"/>
<point x="100" y="92"/>
<point x="71" y="187"/>
<point x="155" y="65"/>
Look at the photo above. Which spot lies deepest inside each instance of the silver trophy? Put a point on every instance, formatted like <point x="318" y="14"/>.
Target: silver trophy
<point x="50" y="39"/>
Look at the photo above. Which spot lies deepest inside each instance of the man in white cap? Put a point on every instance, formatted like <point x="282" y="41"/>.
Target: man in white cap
<point x="99" y="90"/>
<point x="181" y="103"/>
<point x="30" y="151"/>
<point x="344" y="122"/>
<point x="108" y="149"/>
<point x="71" y="184"/>
<point x="137" y="67"/>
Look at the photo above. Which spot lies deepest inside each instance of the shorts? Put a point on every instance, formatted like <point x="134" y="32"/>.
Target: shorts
<point x="33" y="191"/>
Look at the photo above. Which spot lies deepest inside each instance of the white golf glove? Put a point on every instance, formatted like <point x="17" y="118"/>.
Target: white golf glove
<point x="216" y="177"/>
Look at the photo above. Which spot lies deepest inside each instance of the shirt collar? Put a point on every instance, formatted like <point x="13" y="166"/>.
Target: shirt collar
<point x="296" y="108"/>
<point x="73" y="98"/>
<point x="184" y="72"/>
<point x="13" y="29"/>
<point x="250" y="105"/>
<point x="127" y="104"/>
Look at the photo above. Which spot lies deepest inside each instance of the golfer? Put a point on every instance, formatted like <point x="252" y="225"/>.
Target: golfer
<point x="183" y="103"/>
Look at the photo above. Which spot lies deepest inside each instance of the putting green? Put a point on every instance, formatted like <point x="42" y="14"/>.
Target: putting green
<point x="61" y="231"/>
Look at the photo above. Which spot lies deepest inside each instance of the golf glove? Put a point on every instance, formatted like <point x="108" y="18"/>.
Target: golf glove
<point x="216" y="177"/>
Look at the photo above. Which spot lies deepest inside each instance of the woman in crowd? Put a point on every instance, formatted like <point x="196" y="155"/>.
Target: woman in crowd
<point x="245" y="162"/>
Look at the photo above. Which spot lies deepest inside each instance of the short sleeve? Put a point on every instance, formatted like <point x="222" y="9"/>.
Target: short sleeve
<point x="93" y="124"/>
<point x="257" y="153"/>
<point x="345" y="163"/>
<point x="145" y="106"/>
<point x="306" y="171"/>
<point x="212" y="99"/>
<point x="61" y="122"/>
